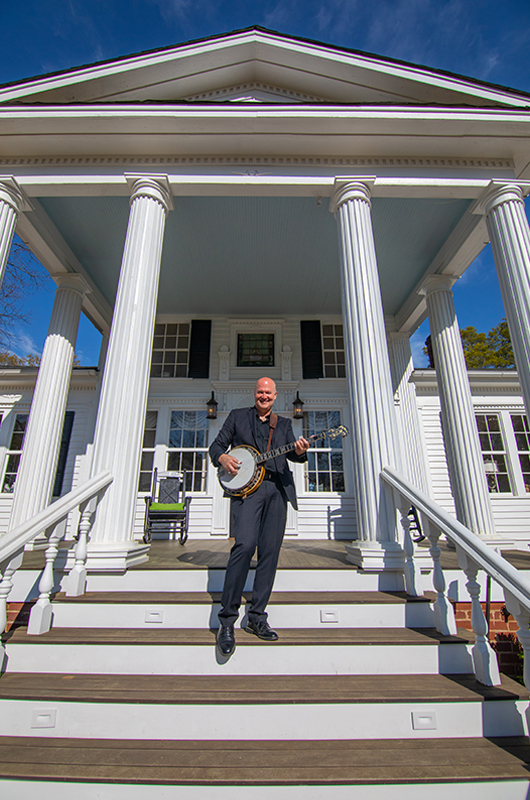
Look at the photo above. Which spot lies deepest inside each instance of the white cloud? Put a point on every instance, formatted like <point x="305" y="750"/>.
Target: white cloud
<point x="24" y="345"/>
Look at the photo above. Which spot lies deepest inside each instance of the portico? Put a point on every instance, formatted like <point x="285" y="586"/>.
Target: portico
<point x="236" y="229"/>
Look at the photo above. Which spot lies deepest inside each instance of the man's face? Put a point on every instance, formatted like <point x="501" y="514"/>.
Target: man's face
<point x="264" y="395"/>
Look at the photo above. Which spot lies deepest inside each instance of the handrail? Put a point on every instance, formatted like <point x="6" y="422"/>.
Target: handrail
<point x="485" y="557"/>
<point x="12" y="541"/>
<point x="48" y="520"/>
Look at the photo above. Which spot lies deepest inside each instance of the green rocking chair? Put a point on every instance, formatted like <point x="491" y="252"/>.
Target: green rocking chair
<point x="167" y="509"/>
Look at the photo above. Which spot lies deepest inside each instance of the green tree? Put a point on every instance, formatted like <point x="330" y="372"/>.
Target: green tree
<point x="492" y="350"/>
<point x="8" y="359"/>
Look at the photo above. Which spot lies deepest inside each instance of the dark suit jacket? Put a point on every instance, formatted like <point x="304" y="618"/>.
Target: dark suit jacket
<point x="238" y="429"/>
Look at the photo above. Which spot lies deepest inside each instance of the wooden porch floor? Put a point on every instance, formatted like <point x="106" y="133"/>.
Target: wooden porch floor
<point x="295" y="554"/>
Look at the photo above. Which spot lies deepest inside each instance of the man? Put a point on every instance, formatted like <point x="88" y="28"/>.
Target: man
<point x="259" y="519"/>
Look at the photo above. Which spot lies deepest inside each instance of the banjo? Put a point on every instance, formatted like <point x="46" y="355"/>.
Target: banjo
<point x="251" y="474"/>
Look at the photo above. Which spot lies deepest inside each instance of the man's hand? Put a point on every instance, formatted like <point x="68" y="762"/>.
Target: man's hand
<point x="229" y="463"/>
<point x="301" y="446"/>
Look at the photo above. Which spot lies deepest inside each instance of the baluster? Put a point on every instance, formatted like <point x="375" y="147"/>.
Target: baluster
<point x="6" y="584"/>
<point x="40" y="619"/>
<point x="411" y="570"/>
<point x="522" y="617"/>
<point x="444" y="615"/>
<point x="484" y="658"/>
<point x="76" y="583"/>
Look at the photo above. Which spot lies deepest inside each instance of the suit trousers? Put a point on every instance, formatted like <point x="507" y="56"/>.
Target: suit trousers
<point x="258" y="521"/>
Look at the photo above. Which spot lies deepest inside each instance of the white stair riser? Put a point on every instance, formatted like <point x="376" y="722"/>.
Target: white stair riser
<point x="25" y="583"/>
<point x="91" y="615"/>
<point x="238" y="722"/>
<point x="271" y="659"/>
<point x="65" y="790"/>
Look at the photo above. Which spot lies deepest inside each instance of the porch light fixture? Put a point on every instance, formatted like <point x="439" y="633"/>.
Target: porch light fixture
<point x="298" y="407"/>
<point x="211" y="405"/>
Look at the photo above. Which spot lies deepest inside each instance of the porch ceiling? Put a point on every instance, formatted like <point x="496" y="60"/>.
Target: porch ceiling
<point x="257" y="255"/>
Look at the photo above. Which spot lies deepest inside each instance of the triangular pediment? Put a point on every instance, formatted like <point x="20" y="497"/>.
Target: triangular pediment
<point x="256" y="65"/>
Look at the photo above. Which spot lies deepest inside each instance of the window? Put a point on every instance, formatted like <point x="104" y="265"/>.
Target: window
<point x="521" y="431"/>
<point x="148" y="452"/>
<point x="188" y="447"/>
<point x="15" y="451"/>
<point x="493" y="452"/>
<point x="333" y="351"/>
<point x="325" y="463"/>
<point x="170" y="350"/>
<point x="323" y="354"/>
<point x="255" y="350"/>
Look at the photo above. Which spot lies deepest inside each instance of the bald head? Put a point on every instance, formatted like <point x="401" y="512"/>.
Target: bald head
<point x="264" y="395"/>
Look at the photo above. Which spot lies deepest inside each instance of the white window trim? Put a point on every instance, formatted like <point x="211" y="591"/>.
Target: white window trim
<point x="513" y="464"/>
<point x="238" y="326"/>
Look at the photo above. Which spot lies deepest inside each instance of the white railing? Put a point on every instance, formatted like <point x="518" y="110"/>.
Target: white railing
<point x="48" y="521"/>
<point x="473" y="554"/>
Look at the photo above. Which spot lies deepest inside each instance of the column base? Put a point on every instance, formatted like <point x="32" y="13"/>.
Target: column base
<point x="112" y="556"/>
<point x="384" y="556"/>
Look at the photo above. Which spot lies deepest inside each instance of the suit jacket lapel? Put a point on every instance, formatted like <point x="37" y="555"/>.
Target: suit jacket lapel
<point x="252" y="426"/>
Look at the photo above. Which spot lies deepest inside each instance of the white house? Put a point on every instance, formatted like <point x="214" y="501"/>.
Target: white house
<point x="257" y="204"/>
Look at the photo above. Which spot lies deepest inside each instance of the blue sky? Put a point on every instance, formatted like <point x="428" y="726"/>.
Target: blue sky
<point x="483" y="39"/>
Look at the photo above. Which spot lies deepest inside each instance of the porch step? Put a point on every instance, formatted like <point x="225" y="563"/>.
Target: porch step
<point x="192" y="651"/>
<point x="233" y="690"/>
<point x="288" y="707"/>
<point x="321" y="763"/>
<point x="200" y="609"/>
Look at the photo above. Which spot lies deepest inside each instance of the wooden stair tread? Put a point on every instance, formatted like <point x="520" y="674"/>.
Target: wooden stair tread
<point x="265" y="762"/>
<point x="193" y="636"/>
<point x="243" y="689"/>
<point x="278" y="598"/>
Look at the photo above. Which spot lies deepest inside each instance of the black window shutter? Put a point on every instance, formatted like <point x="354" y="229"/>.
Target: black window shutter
<point x="63" y="452"/>
<point x="311" y="349"/>
<point x="199" y="363"/>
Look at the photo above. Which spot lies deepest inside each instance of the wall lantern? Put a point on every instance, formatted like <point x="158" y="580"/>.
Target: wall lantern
<point x="211" y="405"/>
<point x="298" y="406"/>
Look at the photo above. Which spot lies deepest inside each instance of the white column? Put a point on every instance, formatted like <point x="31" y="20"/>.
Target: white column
<point x="509" y="234"/>
<point x="12" y="201"/>
<point x="121" y="414"/>
<point x="412" y="447"/>
<point x="369" y="381"/>
<point x="38" y="463"/>
<point x="462" y="444"/>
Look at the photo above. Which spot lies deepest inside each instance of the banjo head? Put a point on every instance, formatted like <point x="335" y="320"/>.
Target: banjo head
<point x="236" y="484"/>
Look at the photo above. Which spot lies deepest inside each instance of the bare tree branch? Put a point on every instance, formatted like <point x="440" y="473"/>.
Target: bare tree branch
<point x="23" y="276"/>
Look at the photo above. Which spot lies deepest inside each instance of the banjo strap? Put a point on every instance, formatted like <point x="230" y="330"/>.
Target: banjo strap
<point x="272" y="423"/>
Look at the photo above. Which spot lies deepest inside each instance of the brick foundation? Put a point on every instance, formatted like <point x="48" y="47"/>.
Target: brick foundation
<point x="18" y="614"/>
<point x="502" y="635"/>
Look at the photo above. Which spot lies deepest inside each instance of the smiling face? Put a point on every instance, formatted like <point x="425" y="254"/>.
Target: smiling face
<point x="264" y="395"/>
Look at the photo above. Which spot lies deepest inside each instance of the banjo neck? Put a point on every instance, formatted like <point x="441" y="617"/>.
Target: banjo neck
<point x="286" y="448"/>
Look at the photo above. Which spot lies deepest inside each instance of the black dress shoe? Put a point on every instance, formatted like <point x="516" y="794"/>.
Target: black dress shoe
<point x="262" y="629"/>
<point x="226" y="640"/>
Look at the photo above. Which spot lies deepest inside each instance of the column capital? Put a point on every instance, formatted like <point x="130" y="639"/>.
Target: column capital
<point x="498" y="192"/>
<point x="351" y="188"/>
<point x="437" y="283"/>
<point x="72" y="281"/>
<point x="13" y="194"/>
<point x="151" y="185"/>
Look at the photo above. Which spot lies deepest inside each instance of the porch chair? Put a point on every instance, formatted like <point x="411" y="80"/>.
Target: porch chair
<point x="167" y="509"/>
